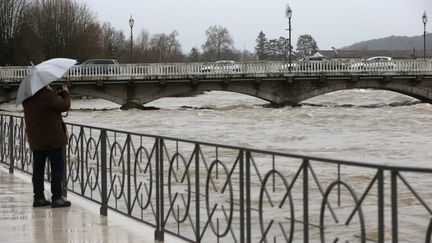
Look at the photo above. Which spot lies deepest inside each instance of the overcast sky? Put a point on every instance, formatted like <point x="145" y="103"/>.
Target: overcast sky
<point x="332" y="23"/>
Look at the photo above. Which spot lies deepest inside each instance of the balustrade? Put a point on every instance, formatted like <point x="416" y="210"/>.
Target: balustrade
<point x="248" y="69"/>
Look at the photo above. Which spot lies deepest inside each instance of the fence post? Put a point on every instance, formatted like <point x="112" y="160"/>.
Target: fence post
<point x="242" y="206"/>
<point x="81" y="159"/>
<point x="128" y="160"/>
<point x="197" y="193"/>
<point x="161" y="171"/>
<point x="11" y="147"/>
<point x="103" y="151"/>
<point x="1" y="139"/>
<point x="305" y="201"/>
<point x="157" y="191"/>
<point x="159" y="234"/>
<point x="394" y="205"/>
<point x="248" y="198"/>
<point x="380" y="205"/>
<point x="22" y="142"/>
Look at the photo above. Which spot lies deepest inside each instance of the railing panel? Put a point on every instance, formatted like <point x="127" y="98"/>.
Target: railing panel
<point x="204" y="192"/>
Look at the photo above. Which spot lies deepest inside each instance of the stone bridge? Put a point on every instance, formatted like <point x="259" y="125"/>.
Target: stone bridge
<point x="280" y="83"/>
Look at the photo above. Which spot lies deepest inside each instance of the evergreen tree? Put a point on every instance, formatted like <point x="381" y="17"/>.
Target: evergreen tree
<point x="261" y="46"/>
<point x="194" y="55"/>
<point x="277" y="49"/>
<point x="306" y="45"/>
<point x="283" y="50"/>
<point x="272" y="49"/>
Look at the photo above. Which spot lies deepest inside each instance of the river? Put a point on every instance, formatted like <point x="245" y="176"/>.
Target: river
<point x="360" y="125"/>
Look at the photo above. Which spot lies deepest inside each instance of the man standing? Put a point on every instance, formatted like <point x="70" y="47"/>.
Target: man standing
<point x="47" y="138"/>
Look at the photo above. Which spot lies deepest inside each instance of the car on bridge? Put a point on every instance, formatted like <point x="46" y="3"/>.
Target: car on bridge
<point x="372" y="63"/>
<point x="286" y="67"/>
<point x="97" y="67"/>
<point x="380" y="62"/>
<point x="312" y="63"/>
<point x="316" y="59"/>
<point x="221" y="66"/>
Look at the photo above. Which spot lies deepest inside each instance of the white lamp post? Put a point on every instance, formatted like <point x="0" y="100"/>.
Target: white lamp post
<point x="424" y="19"/>
<point x="131" y="24"/>
<point x="288" y="14"/>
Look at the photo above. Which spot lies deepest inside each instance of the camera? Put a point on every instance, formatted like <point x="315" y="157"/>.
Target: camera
<point x="59" y="90"/>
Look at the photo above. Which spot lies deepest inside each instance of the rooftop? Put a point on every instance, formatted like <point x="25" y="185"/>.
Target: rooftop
<point x="364" y="54"/>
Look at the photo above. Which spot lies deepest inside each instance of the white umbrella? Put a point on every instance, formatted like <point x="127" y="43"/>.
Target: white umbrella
<point x="41" y="75"/>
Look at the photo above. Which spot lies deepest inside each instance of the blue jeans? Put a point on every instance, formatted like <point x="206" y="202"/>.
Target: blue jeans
<point x="57" y="162"/>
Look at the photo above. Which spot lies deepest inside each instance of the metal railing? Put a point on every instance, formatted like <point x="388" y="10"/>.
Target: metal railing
<point x="204" y="192"/>
<point x="245" y="69"/>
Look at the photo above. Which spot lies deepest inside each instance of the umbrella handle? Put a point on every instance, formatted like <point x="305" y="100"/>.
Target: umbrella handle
<point x="65" y="115"/>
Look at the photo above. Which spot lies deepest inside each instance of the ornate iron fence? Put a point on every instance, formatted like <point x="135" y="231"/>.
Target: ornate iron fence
<point x="218" y="193"/>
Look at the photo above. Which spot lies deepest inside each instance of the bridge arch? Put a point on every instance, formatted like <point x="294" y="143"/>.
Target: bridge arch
<point x="263" y="95"/>
<point x="406" y="88"/>
<point x="275" y="92"/>
<point x="139" y="94"/>
<point x="96" y="93"/>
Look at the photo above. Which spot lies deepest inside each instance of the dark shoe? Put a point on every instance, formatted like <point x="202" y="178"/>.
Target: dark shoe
<point x="41" y="203"/>
<point x="60" y="203"/>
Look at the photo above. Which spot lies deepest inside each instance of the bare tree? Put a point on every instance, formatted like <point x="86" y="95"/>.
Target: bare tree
<point x="158" y="47"/>
<point x="66" y="28"/>
<point x="174" y="51"/>
<point x="12" y="20"/>
<point x="143" y="40"/>
<point x="112" y="43"/>
<point x="142" y="47"/>
<point x="248" y="56"/>
<point x="166" y="48"/>
<point x="219" y="43"/>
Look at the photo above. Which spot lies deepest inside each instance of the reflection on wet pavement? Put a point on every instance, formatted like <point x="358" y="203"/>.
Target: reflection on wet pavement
<point x="20" y="222"/>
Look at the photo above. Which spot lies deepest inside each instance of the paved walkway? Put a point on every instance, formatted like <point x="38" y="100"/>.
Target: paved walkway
<point x="20" y="222"/>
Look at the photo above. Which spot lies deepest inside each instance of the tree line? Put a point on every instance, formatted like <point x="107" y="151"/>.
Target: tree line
<point x="37" y="30"/>
<point x="279" y="49"/>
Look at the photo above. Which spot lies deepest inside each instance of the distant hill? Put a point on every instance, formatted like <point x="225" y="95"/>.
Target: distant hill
<point x="393" y="43"/>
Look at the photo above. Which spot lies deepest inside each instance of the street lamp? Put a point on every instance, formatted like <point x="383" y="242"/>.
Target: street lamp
<point x="131" y="24"/>
<point x="160" y="53"/>
<point x="335" y="51"/>
<point x="288" y="14"/>
<point x="424" y="19"/>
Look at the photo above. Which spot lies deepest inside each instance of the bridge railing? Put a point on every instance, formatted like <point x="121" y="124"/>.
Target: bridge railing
<point x="204" y="192"/>
<point x="245" y="69"/>
<point x="13" y="73"/>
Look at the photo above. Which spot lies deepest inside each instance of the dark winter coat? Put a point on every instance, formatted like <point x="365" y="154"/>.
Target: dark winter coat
<point x="43" y="120"/>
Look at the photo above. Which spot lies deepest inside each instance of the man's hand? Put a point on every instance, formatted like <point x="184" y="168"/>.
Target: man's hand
<point x="65" y="88"/>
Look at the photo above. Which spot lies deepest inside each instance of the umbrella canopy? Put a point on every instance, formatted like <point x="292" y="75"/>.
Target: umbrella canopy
<point x="41" y="75"/>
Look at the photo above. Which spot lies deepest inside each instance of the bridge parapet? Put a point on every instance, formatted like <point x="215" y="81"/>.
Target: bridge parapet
<point x="130" y="85"/>
<point x="245" y="69"/>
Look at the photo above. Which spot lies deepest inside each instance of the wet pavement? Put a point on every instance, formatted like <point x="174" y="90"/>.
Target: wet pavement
<point x="20" y="222"/>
